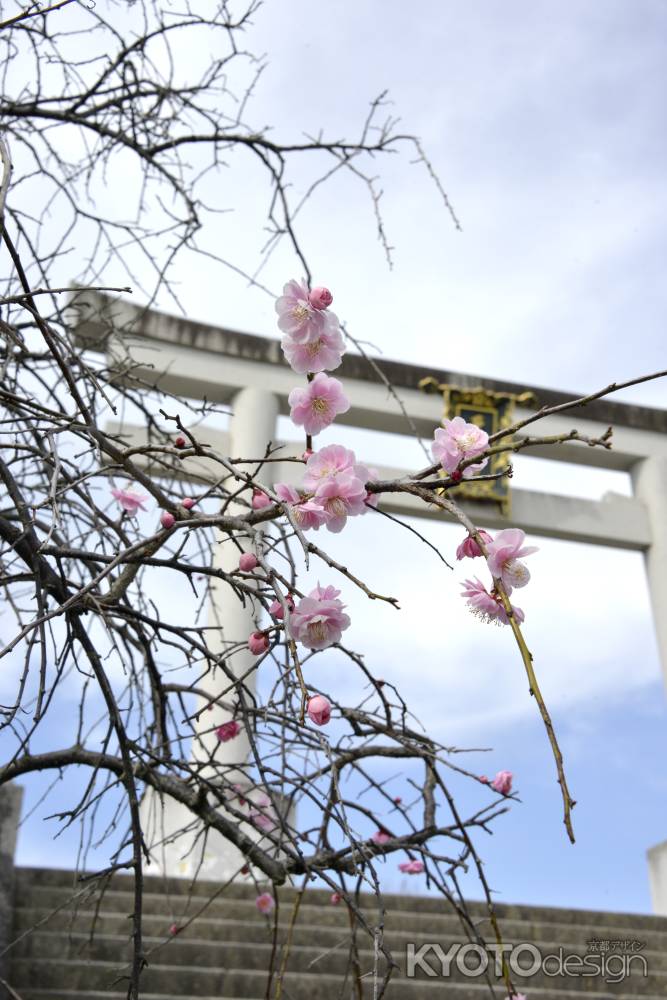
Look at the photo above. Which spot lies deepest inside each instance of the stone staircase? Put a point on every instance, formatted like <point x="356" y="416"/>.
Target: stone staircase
<point x="73" y="944"/>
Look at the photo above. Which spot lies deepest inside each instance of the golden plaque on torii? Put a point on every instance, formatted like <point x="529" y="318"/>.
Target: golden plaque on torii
<point x="492" y="411"/>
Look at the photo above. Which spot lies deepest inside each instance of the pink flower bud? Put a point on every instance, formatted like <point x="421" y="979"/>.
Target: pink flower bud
<point x="258" y="643"/>
<point x="248" y="562"/>
<point x="503" y="782"/>
<point x="180" y="441"/>
<point x="174" y="930"/>
<point x="470" y="549"/>
<point x="188" y="503"/>
<point x="265" y="903"/>
<point x="167" y="520"/>
<point x="398" y="800"/>
<point x="483" y="778"/>
<point x="456" y="476"/>
<point x="320" y="297"/>
<point x="276" y="608"/>
<point x="259" y="500"/>
<point x="319" y="710"/>
<point x="228" y="731"/>
<point x="245" y="870"/>
<point x="335" y="898"/>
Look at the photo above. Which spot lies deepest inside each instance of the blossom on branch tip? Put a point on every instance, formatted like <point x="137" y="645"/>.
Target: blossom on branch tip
<point x="248" y="562"/>
<point x="324" y="353"/>
<point x="487" y="606"/>
<point x="258" y="643"/>
<point x="129" y="499"/>
<point x="318" y="405"/>
<point x="503" y="782"/>
<point x="469" y="548"/>
<point x="411" y="867"/>
<point x="318" y="619"/>
<point x="319" y="710"/>
<point x="188" y="503"/>
<point x="265" y="903"/>
<point x="297" y="317"/>
<point x="167" y="519"/>
<point x="320" y="297"/>
<point x="503" y="558"/>
<point x="455" y="441"/>
<point x="228" y="731"/>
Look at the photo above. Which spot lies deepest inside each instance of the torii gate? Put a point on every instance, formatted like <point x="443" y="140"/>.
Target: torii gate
<point x="250" y="374"/>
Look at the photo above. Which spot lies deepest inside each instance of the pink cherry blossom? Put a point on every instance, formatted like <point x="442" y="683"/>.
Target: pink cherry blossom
<point x="335" y="898"/>
<point x="469" y="547"/>
<point x="307" y="512"/>
<point x="320" y="297"/>
<point x="342" y="497"/>
<point x="327" y="463"/>
<point x="167" y="519"/>
<point x="503" y="558"/>
<point x="318" y="620"/>
<point x="411" y="867"/>
<point x="248" y="562"/>
<point x="322" y="354"/>
<point x="319" y="710"/>
<point x="276" y="608"/>
<point x="457" y="440"/>
<point x="503" y="782"/>
<point x="296" y="316"/>
<point x="129" y="499"/>
<point x="381" y="837"/>
<point x="258" y="643"/>
<point x="318" y="405"/>
<point x="488" y="607"/>
<point x="260" y="500"/>
<point x="265" y="903"/>
<point x="188" y="503"/>
<point x="228" y="731"/>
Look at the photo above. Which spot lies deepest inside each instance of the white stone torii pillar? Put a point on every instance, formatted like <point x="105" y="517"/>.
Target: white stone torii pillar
<point x="649" y="479"/>
<point x="172" y="833"/>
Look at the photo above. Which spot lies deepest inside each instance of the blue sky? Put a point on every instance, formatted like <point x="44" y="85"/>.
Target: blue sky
<point x="546" y="124"/>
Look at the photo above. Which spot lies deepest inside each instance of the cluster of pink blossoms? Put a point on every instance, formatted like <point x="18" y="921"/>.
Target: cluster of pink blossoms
<point x="503" y="557"/>
<point x="333" y="489"/>
<point x="312" y="340"/>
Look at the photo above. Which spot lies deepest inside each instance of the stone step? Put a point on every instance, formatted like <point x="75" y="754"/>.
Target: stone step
<point x="41" y="979"/>
<point x="212" y="959"/>
<point x="424" y="925"/>
<point x="311" y="932"/>
<point x="55" y="877"/>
